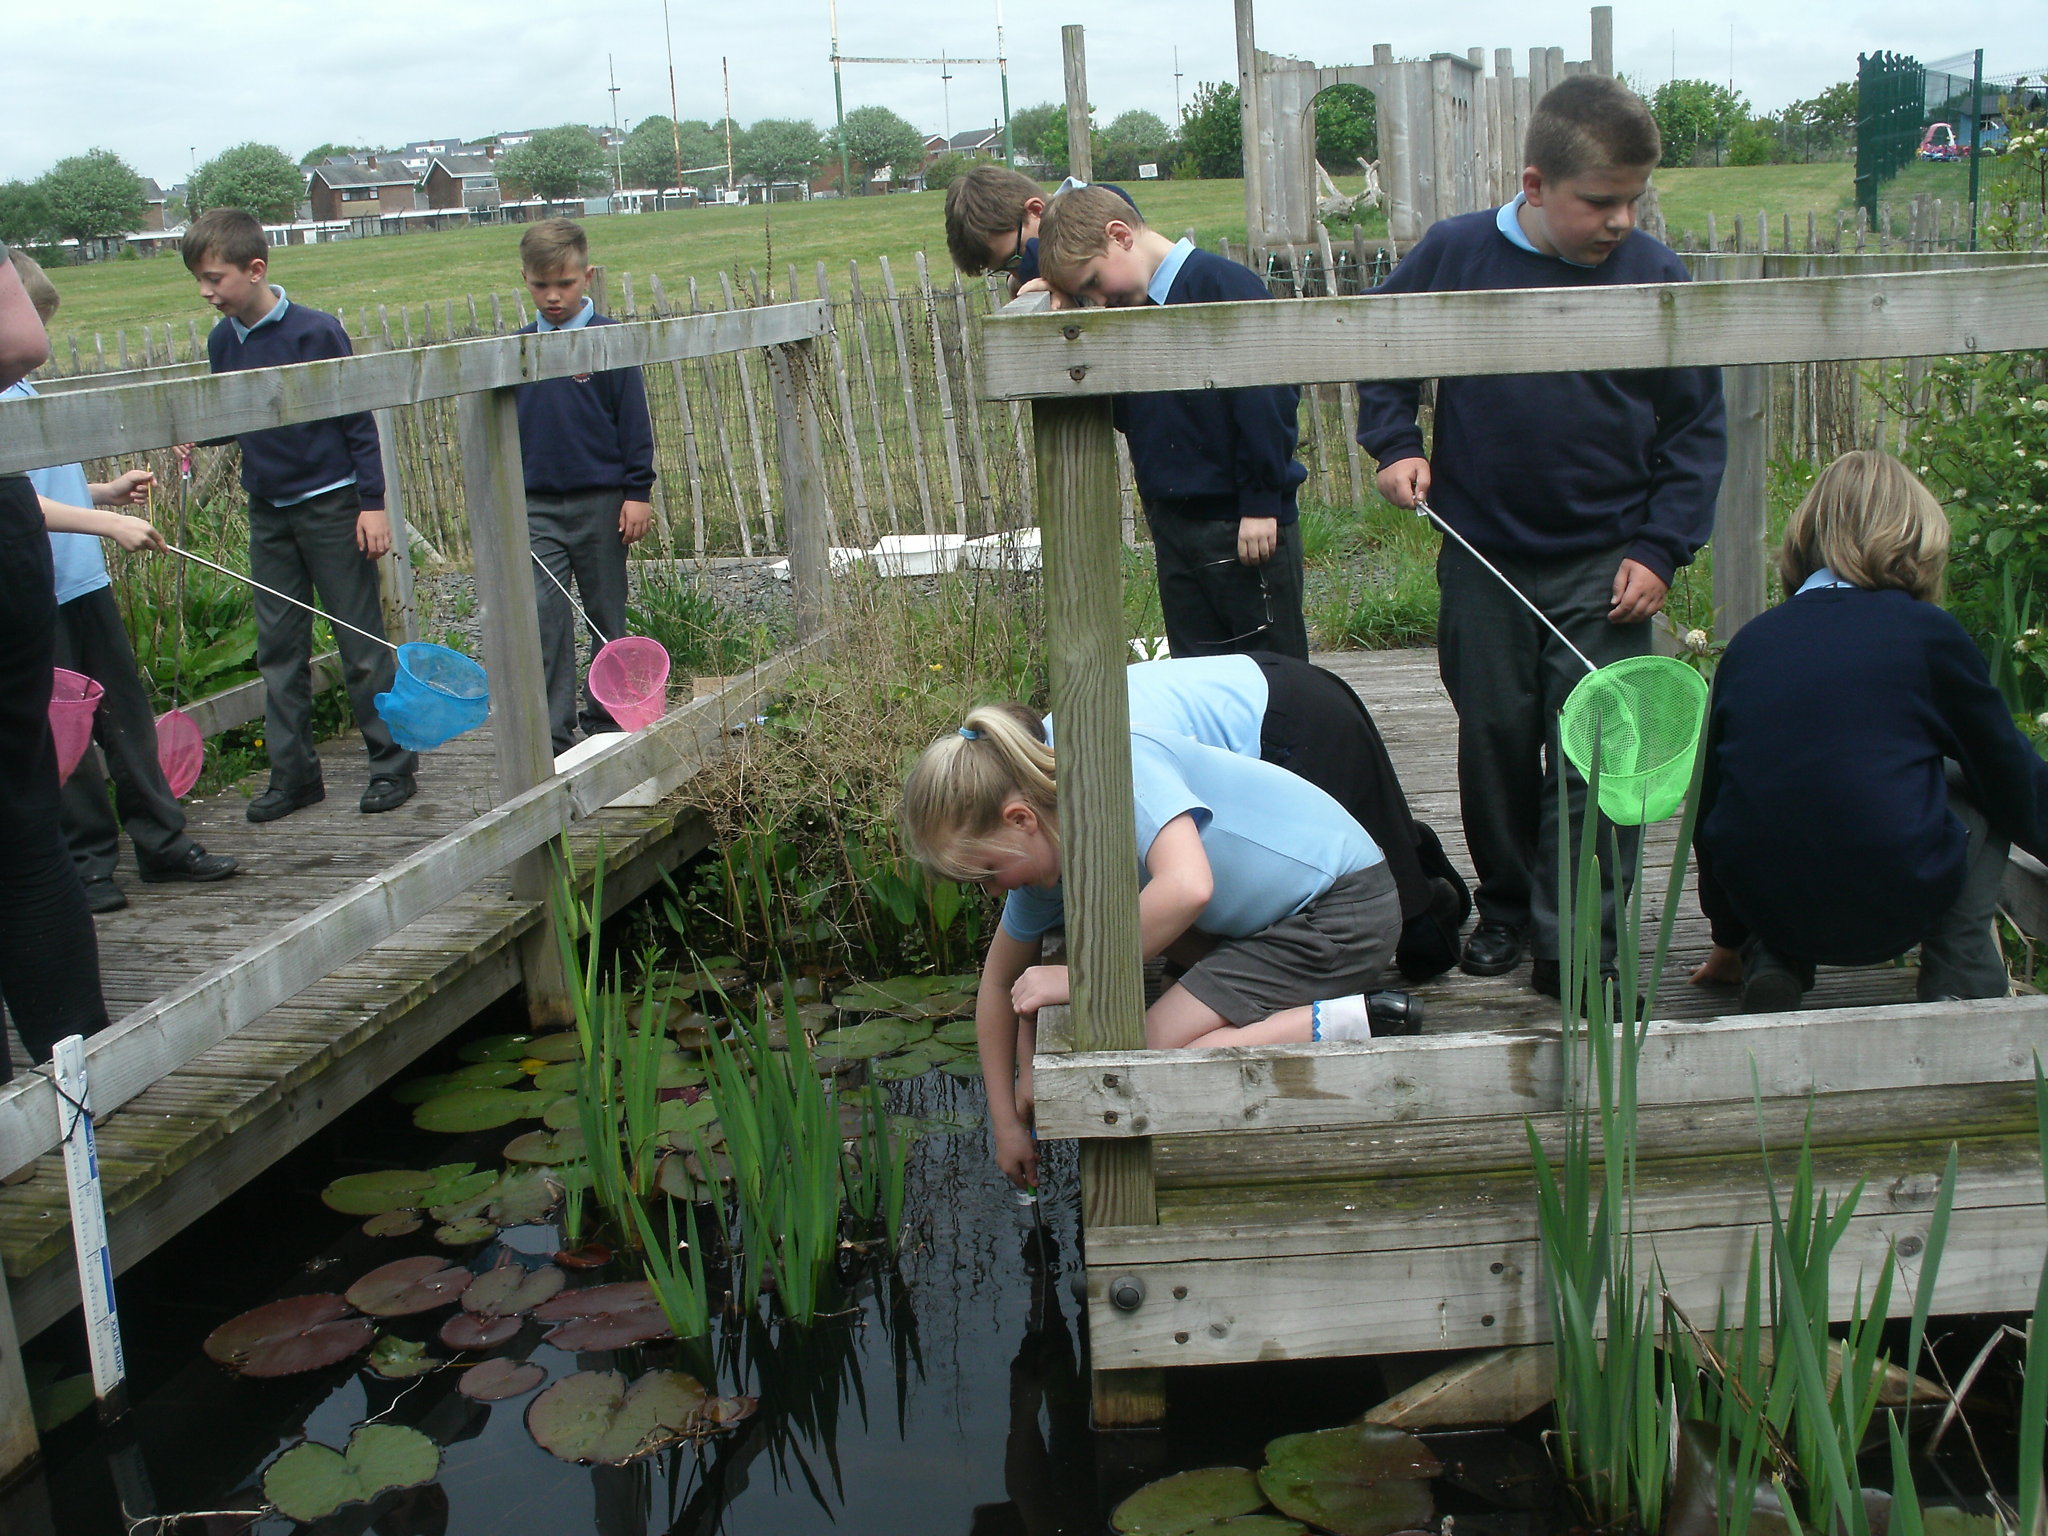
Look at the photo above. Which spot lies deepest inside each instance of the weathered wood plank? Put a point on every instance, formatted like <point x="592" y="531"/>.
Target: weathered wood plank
<point x="87" y="424"/>
<point x="1090" y="352"/>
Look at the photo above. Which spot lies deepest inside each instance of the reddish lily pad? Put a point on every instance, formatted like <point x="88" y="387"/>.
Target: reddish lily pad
<point x="495" y="1380"/>
<point x="604" y="1316"/>
<point x="470" y="1330"/>
<point x="282" y="1338"/>
<point x="406" y="1286"/>
<point x="594" y="1300"/>
<point x="595" y="1416"/>
<point x="511" y="1289"/>
<point x="588" y="1256"/>
<point x="1360" y="1480"/>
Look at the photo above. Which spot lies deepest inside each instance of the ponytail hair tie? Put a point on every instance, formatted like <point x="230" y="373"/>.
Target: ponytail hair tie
<point x="969" y="733"/>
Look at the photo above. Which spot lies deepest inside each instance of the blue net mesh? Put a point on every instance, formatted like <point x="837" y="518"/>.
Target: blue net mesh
<point x="436" y="695"/>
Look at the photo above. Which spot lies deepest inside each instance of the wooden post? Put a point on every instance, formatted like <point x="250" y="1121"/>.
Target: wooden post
<point x="803" y="492"/>
<point x="495" y="491"/>
<point x="942" y="386"/>
<point x="909" y="378"/>
<point x="1086" y="652"/>
<point x="867" y="368"/>
<point x="1080" y="147"/>
<point x="1739" y="512"/>
<point x="1603" y="40"/>
<point x="19" y="1447"/>
<point x="691" y="462"/>
<point x="857" y="471"/>
<point x="977" y="452"/>
<point x="1248" y="117"/>
<point x="394" y="570"/>
<point x="753" y="425"/>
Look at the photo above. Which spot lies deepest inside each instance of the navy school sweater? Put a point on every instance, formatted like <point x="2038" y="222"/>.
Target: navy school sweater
<point x="1557" y="464"/>
<point x="587" y="432"/>
<point x="1215" y="453"/>
<point x="1824" y="808"/>
<point x="288" y="463"/>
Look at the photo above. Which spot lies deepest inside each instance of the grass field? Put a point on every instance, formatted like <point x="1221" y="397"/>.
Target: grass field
<point x="702" y="242"/>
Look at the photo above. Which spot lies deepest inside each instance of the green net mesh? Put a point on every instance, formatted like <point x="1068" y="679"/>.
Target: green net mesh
<point x="1635" y="726"/>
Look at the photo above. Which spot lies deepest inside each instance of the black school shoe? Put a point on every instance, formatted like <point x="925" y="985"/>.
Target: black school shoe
<point x="198" y="866"/>
<point x="282" y="799"/>
<point x="103" y="895"/>
<point x="1393" y="1013"/>
<point x="1769" y="984"/>
<point x="1493" y="950"/>
<point x="388" y="793"/>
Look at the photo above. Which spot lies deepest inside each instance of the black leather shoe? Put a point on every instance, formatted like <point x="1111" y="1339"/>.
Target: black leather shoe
<point x="1493" y="950"/>
<point x="104" y="896"/>
<point x="387" y="793"/>
<point x="282" y="800"/>
<point x="1769" y="985"/>
<point x="1394" y="1013"/>
<point x="198" y="866"/>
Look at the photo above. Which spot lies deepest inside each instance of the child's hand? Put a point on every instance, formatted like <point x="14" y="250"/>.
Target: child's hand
<point x="373" y="533"/>
<point x="132" y="533"/>
<point x="127" y="489"/>
<point x="1017" y="1156"/>
<point x="1405" y="482"/>
<point x="1041" y="986"/>
<point x="635" y="518"/>
<point x="1257" y="538"/>
<point x="1638" y="593"/>
<point x="1721" y="968"/>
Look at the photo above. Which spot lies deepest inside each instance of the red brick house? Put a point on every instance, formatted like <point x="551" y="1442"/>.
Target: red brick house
<point x="341" y="191"/>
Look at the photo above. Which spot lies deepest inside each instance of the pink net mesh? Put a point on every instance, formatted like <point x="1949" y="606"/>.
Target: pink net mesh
<point x="629" y="677"/>
<point x="73" y="698"/>
<point x="180" y="750"/>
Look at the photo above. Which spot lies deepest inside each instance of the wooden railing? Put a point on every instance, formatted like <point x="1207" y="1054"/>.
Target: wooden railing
<point x="534" y="804"/>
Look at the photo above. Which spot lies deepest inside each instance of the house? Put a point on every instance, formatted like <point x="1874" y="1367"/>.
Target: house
<point x="463" y="181"/>
<point x="977" y="143"/>
<point x="419" y="154"/>
<point x="153" y="199"/>
<point x="361" y="191"/>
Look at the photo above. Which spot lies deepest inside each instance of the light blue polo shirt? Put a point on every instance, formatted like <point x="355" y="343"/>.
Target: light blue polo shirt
<point x="1219" y="701"/>
<point x="1510" y="224"/>
<point x="81" y="563"/>
<point x="575" y="322"/>
<point x="1274" y="841"/>
<point x="1169" y="268"/>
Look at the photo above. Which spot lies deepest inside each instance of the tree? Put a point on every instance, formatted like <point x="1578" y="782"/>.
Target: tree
<point x="649" y="153"/>
<point x="780" y="149"/>
<point x="1695" y="118"/>
<point x="945" y="170"/>
<point x="556" y="163"/>
<point x="1028" y="127"/>
<point x="1131" y="140"/>
<point x="321" y="152"/>
<point x="1347" y="128"/>
<point x="1049" y="148"/>
<point x="1825" y="124"/>
<point x="1212" y="132"/>
<point x="92" y="196"/>
<point x="25" y="217"/>
<point x="877" y="137"/>
<point x="258" y="177"/>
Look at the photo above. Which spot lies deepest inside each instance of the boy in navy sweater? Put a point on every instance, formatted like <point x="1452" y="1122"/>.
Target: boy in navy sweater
<point x="1215" y="467"/>
<point x="1587" y="490"/>
<point x="992" y="216"/>
<point x="589" y="452"/>
<point x="316" y="522"/>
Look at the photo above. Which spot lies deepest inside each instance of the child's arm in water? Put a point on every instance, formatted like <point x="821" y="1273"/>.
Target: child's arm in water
<point x="996" y="1030"/>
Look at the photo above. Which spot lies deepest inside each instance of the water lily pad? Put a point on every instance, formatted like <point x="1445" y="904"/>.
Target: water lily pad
<point x="565" y="1045"/>
<point x="901" y="1067"/>
<point x="511" y="1289"/>
<point x="369" y="1194"/>
<point x="468" y="1330"/>
<point x="1260" y="1525"/>
<point x="1360" y="1480"/>
<point x="588" y="1256"/>
<point x="724" y="1412"/>
<point x="959" y="1032"/>
<point x="563" y="1114"/>
<point x="54" y="1397"/>
<point x="591" y="1300"/>
<point x="477" y="1109"/>
<point x="881" y="996"/>
<point x="678" y="1118"/>
<point x="523" y="1195"/>
<point x="719" y="980"/>
<point x="311" y="1481"/>
<point x="418" y="1090"/>
<point x="282" y="1338"/>
<point x="966" y="1066"/>
<point x="452" y="1192"/>
<point x="487" y="1074"/>
<point x="679" y="1072"/>
<point x="676" y="1176"/>
<point x="546" y="1147"/>
<point x="604" y="1316"/>
<point x="1188" y="1501"/>
<point x="392" y="1224"/>
<point x="495" y="1380"/>
<point x="949" y="1124"/>
<point x="406" y="1286"/>
<point x="496" y="1048"/>
<point x="562" y="1077"/>
<point x="858" y="1042"/>
<point x="396" y="1358"/>
<point x="465" y="1231"/>
<point x="595" y="1416"/>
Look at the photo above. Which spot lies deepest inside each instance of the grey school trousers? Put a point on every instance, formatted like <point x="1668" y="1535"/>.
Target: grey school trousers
<point x="92" y="639"/>
<point x="308" y="551"/>
<point x="1508" y="677"/>
<point x="1211" y="603"/>
<point x="576" y="536"/>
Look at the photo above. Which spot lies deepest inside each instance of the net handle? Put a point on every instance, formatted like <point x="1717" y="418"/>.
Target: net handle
<point x="252" y="581"/>
<point x="551" y="576"/>
<point x="1424" y="509"/>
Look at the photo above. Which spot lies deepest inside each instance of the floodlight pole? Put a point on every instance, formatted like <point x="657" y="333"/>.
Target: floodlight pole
<point x="1003" y="69"/>
<point x="839" y="108"/>
<point x="618" y="149"/>
<point x="675" y="128"/>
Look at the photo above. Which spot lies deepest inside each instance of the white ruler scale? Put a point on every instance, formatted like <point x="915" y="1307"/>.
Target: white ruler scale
<point x="89" y="1228"/>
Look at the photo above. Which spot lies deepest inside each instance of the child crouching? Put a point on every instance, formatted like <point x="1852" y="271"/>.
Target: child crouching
<point x="1259" y="883"/>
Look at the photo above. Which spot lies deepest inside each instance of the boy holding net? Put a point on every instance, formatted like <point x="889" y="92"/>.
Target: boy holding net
<point x="1587" y="490"/>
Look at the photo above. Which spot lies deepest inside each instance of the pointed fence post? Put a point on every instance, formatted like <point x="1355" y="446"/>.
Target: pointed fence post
<point x="805" y="516"/>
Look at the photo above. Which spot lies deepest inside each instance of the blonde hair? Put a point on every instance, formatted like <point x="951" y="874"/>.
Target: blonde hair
<point x="952" y="807"/>
<point x="552" y="244"/>
<point x="1076" y="229"/>
<point x="983" y="205"/>
<point x="1870" y="521"/>
<point x="35" y="282"/>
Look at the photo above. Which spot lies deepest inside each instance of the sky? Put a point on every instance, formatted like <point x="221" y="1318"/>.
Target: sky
<point x="382" y="73"/>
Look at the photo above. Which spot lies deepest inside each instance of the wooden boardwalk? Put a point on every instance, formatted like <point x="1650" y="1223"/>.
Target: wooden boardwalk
<point x="175" y="1150"/>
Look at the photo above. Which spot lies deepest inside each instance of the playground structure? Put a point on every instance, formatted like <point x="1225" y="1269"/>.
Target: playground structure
<point x="1450" y="133"/>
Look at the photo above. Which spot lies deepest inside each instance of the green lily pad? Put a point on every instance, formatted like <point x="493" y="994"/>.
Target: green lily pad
<point x="392" y="1224"/>
<point x="510" y="1289"/>
<point x="564" y="1046"/>
<point x="563" y="1114"/>
<point x="595" y="1416"/>
<point x="1360" y="1480"/>
<point x="719" y="980"/>
<point x="960" y="1032"/>
<point x="454" y="1191"/>
<point x="487" y="1074"/>
<point x="395" y="1359"/>
<point x="916" y="1126"/>
<point x="562" y="1077"/>
<point x="900" y="1068"/>
<point x="496" y="1048"/>
<point x="677" y="1176"/>
<point x="678" y="1118"/>
<point x="311" y="1481"/>
<point x="858" y="1042"/>
<point x="1260" y="1525"/>
<point x="966" y="1066"/>
<point x="879" y="996"/>
<point x="418" y="1090"/>
<point x="477" y="1109"/>
<point x="915" y="1031"/>
<point x="678" y="1072"/>
<point x="967" y="981"/>
<point x="371" y="1194"/>
<point x="1188" y="1501"/>
<point x="465" y="1231"/>
<point x="406" y="1286"/>
<point x="55" y="1398"/>
<point x="546" y="1147"/>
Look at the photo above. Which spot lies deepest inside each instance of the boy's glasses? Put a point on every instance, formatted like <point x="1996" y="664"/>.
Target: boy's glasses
<point x="1015" y="259"/>
<point x="1265" y="601"/>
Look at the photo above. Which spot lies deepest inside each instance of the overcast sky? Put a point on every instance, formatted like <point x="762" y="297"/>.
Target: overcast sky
<point x="163" y="83"/>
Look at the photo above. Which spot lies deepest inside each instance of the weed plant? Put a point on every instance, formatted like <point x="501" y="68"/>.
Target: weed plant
<point x="674" y="606"/>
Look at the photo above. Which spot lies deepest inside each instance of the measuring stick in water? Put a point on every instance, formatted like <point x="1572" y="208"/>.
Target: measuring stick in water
<point x="89" y="1229"/>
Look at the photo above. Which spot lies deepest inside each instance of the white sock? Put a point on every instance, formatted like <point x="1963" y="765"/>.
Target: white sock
<point x="1340" y="1018"/>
